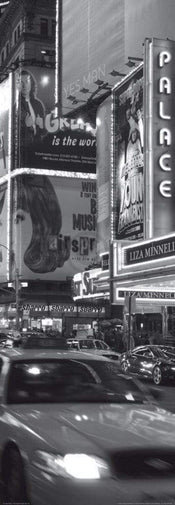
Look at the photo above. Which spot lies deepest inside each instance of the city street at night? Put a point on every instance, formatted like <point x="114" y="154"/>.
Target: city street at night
<point x="87" y="252"/>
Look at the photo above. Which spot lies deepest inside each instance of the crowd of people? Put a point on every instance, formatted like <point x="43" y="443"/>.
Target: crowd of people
<point x="118" y="340"/>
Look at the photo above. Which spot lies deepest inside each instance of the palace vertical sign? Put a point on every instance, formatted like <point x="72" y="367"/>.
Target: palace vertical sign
<point x="159" y="137"/>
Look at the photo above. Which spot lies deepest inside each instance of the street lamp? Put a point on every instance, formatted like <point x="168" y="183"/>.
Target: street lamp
<point x="15" y="285"/>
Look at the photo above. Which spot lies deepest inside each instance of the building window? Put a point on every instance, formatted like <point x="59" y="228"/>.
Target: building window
<point x="7" y="49"/>
<point x="18" y="31"/>
<point x="44" y="27"/>
<point x="3" y="56"/>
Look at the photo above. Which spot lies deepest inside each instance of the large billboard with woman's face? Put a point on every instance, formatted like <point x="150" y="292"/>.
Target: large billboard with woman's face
<point x="54" y="226"/>
<point x="128" y="158"/>
<point x="41" y="139"/>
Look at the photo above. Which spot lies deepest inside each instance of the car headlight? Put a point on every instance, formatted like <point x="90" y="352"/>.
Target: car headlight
<point x="78" y="466"/>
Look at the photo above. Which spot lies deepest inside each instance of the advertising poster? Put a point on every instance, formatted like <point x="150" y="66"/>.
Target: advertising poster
<point x="4" y="125"/>
<point x="54" y="225"/>
<point x="41" y="139"/>
<point x="103" y="175"/>
<point x="128" y="158"/>
<point x="3" y="233"/>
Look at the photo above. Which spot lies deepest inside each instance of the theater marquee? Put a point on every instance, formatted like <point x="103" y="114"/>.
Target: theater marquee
<point x="157" y="249"/>
<point x="159" y="135"/>
<point x="144" y="261"/>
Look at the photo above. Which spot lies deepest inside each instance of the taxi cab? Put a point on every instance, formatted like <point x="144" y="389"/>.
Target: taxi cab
<point x="94" y="346"/>
<point x="74" y="429"/>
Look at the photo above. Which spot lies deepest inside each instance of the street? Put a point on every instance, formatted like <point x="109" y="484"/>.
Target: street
<point x="167" y="396"/>
<point x="166" y="400"/>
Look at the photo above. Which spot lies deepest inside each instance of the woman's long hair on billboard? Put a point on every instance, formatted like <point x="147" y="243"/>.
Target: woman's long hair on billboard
<point x="47" y="249"/>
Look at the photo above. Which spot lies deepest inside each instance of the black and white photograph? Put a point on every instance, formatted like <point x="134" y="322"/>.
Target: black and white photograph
<point x="87" y="252"/>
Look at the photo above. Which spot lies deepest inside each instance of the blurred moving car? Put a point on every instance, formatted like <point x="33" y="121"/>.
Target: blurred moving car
<point x="3" y="338"/>
<point x="150" y="361"/>
<point x="94" y="346"/>
<point x="40" y="340"/>
<point x="32" y="339"/>
<point x="73" y="427"/>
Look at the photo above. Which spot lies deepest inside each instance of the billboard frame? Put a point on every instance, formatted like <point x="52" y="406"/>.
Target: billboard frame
<point x="116" y="89"/>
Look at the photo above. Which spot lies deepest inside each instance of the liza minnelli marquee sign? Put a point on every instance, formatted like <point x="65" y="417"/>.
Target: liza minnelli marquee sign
<point x="160" y="129"/>
<point x="149" y="251"/>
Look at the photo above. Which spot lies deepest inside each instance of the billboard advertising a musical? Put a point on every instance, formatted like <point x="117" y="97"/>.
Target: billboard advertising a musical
<point x="54" y="226"/>
<point x="128" y="167"/>
<point x="160" y="147"/>
<point x="42" y="139"/>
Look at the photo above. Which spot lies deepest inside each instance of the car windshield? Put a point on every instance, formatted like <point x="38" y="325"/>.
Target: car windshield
<point x="161" y="352"/>
<point x="71" y="380"/>
<point x="86" y="344"/>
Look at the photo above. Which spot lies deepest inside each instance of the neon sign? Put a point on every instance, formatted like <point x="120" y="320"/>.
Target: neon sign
<point x="165" y="136"/>
<point x="159" y="134"/>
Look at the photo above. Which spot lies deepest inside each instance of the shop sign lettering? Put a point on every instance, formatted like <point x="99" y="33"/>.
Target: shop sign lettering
<point x="85" y="285"/>
<point x="60" y="308"/>
<point x="162" y="295"/>
<point x="150" y="251"/>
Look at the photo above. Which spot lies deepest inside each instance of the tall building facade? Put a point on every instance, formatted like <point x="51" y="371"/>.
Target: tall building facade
<point x="47" y="179"/>
<point x="56" y="67"/>
<point x="135" y="196"/>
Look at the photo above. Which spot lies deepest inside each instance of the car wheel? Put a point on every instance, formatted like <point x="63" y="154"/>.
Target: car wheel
<point x="124" y="366"/>
<point x="15" y="487"/>
<point x="157" y="375"/>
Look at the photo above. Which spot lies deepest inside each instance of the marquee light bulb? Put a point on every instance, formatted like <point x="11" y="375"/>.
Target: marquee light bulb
<point x="80" y="121"/>
<point x="98" y="121"/>
<point x="44" y="80"/>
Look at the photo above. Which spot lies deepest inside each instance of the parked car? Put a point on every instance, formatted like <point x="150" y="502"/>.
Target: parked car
<point x="94" y="346"/>
<point x="73" y="430"/>
<point x="150" y="361"/>
<point x="169" y="349"/>
<point x="13" y="339"/>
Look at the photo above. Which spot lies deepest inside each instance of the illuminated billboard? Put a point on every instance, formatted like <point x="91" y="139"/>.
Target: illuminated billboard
<point x="128" y="138"/>
<point x="41" y="139"/>
<point x="160" y="129"/>
<point x="54" y="226"/>
<point x="83" y="284"/>
<point x="103" y="175"/>
<point x="4" y="125"/>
